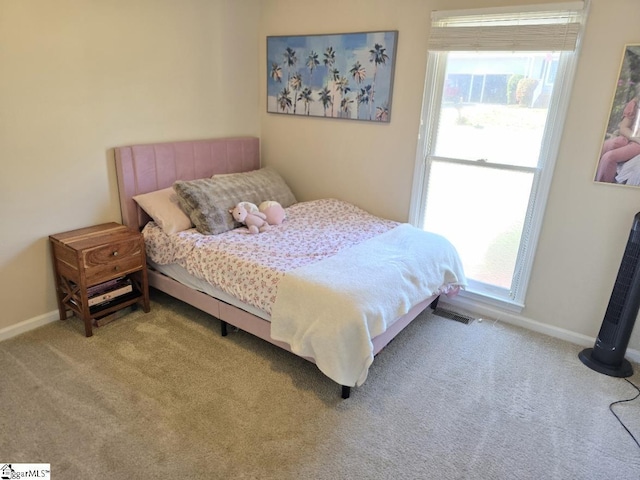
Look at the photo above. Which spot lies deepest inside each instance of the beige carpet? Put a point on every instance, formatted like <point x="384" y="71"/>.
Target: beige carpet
<point x="162" y="395"/>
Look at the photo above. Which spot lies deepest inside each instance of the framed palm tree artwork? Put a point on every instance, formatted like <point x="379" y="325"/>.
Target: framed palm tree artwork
<point x="347" y="75"/>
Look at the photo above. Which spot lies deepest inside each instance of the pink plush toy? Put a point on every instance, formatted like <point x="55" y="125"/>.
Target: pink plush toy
<point x="256" y="222"/>
<point x="274" y="212"/>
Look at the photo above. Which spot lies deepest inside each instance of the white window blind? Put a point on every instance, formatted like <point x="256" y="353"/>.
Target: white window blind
<point x="549" y="27"/>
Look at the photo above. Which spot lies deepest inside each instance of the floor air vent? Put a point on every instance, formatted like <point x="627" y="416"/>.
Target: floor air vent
<point x="451" y="315"/>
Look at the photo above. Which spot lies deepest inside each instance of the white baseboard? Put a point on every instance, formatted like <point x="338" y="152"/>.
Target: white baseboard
<point x="30" y="324"/>
<point x="510" y="318"/>
<point x="524" y="322"/>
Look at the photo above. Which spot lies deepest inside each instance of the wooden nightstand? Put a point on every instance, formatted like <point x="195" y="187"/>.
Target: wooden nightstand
<point x="91" y="256"/>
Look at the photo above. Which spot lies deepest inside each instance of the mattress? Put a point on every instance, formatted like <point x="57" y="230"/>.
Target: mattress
<point x="180" y="274"/>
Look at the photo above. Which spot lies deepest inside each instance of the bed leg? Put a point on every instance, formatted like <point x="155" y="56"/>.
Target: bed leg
<point x="346" y="391"/>
<point x="434" y="304"/>
<point x="223" y="328"/>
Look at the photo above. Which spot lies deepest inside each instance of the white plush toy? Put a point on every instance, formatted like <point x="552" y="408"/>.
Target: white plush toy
<point x="255" y="222"/>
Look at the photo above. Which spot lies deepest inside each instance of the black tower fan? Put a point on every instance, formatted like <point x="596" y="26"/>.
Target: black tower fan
<point x="607" y="355"/>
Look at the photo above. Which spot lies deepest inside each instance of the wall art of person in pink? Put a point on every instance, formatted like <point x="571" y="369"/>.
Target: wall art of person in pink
<point x="624" y="145"/>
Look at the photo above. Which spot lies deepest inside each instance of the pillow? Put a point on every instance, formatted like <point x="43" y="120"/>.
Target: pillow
<point x="207" y="201"/>
<point x="164" y="208"/>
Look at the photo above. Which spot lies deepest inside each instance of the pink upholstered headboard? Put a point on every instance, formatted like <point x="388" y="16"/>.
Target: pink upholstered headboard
<point x="146" y="168"/>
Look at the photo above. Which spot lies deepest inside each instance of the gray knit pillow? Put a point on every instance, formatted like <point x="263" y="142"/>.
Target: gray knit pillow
<point x="207" y="201"/>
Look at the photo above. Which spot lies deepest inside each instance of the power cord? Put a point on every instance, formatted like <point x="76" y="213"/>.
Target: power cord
<point x="624" y="401"/>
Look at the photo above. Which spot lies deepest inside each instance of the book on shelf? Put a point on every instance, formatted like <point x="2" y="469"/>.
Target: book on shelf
<point x="106" y="286"/>
<point x="110" y="294"/>
<point x="97" y="311"/>
<point x="104" y="293"/>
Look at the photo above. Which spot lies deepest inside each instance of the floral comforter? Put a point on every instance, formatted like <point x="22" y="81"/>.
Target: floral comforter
<point x="250" y="266"/>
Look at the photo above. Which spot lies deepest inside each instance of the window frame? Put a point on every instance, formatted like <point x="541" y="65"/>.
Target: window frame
<point x="558" y="106"/>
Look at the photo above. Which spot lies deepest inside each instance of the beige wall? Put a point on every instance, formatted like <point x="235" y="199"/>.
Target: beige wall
<point x="586" y="225"/>
<point x="79" y="77"/>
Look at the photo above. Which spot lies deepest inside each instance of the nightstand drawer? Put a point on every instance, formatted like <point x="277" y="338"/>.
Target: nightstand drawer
<point x="107" y="271"/>
<point x="110" y="261"/>
<point x="112" y="254"/>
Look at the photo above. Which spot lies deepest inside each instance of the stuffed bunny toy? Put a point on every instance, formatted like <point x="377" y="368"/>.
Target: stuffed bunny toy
<point x="256" y="222"/>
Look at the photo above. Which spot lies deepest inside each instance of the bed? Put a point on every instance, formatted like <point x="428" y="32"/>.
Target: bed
<point x="348" y="314"/>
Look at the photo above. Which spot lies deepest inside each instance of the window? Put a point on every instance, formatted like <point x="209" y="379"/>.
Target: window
<point x="496" y="93"/>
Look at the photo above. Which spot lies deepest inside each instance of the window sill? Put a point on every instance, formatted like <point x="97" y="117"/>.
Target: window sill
<point x="471" y="300"/>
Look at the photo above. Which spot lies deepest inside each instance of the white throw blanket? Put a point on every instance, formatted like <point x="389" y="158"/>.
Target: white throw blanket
<point x="330" y="310"/>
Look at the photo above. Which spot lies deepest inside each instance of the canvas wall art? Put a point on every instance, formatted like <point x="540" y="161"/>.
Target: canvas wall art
<point x="619" y="156"/>
<point x="348" y="75"/>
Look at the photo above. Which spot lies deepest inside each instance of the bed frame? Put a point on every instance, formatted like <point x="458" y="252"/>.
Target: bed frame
<point x="146" y="168"/>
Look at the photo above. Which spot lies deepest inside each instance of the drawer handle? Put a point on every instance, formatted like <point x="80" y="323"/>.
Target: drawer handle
<point x="115" y="254"/>
<point x="116" y="268"/>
